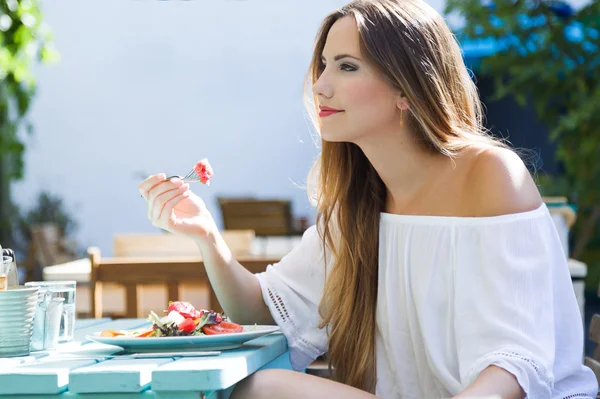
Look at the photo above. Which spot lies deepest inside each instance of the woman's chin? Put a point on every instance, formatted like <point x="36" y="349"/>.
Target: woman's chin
<point x="333" y="137"/>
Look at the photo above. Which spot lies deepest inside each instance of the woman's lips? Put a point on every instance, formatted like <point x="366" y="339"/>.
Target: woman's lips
<point x="326" y="112"/>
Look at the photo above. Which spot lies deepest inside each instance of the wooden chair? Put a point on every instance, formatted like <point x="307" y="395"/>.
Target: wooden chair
<point x="265" y="217"/>
<point x="48" y="247"/>
<point x="51" y="247"/>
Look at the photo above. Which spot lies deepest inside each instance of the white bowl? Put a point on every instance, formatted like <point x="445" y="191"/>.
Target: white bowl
<point x="18" y="291"/>
<point x="16" y="350"/>
<point x="20" y="307"/>
<point x="8" y="343"/>
<point x="17" y="311"/>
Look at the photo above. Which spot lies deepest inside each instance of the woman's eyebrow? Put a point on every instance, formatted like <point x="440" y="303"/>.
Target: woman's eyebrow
<point x="340" y="56"/>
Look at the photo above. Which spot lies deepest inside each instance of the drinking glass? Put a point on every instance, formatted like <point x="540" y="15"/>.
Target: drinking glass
<point x="66" y="290"/>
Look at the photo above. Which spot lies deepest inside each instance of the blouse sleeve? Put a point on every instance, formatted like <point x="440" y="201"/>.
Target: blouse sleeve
<point x="292" y="290"/>
<point x="514" y="302"/>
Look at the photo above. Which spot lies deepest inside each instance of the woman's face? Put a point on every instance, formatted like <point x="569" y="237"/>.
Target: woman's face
<point x="354" y="100"/>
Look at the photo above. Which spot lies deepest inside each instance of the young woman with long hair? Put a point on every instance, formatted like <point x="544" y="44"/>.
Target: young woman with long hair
<point x="434" y="269"/>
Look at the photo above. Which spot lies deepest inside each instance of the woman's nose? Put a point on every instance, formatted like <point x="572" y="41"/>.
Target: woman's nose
<point x="322" y="88"/>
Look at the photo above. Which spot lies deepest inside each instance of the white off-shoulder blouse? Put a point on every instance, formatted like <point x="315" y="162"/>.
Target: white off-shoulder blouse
<point x="455" y="295"/>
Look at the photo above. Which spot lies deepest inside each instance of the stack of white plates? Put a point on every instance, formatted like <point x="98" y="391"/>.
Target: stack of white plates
<point x="17" y="309"/>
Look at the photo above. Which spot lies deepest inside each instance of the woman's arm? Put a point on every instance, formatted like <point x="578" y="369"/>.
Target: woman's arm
<point x="173" y="207"/>
<point x="236" y="288"/>
<point x="495" y="382"/>
<point x="499" y="184"/>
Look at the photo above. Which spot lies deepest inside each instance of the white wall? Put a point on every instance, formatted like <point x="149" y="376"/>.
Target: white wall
<point x="151" y="86"/>
<point x="147" y="86"/>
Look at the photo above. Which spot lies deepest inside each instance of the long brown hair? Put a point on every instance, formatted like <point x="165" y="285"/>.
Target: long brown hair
<point x="413" y="49"/>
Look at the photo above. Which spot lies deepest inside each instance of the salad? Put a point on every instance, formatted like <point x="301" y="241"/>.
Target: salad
<point x="182" y="320"/>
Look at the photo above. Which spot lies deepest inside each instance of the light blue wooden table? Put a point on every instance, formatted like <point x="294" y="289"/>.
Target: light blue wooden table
<point x="49" y="375"/>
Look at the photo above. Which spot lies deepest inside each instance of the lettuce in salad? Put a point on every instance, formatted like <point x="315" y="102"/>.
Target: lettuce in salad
<point x="175" y="325"/>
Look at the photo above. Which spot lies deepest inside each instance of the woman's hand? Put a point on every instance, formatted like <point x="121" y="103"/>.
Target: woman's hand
<point x="173" y="207"/>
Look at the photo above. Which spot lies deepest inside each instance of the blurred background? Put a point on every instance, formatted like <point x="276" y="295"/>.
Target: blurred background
<point x="97" y="95"/>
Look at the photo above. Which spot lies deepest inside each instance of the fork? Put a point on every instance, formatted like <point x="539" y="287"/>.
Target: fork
<point x="191" y="177"/>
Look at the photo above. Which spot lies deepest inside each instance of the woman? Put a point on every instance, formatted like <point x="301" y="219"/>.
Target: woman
<point x="434" y="270"/>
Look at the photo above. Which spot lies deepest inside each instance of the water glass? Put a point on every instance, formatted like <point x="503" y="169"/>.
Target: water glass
<point x="66" y="290"/>
<point x="47" y="321"/>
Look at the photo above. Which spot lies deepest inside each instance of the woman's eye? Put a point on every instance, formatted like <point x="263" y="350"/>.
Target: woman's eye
<point x="343" y="67"/>
<point x="348" y="67"/>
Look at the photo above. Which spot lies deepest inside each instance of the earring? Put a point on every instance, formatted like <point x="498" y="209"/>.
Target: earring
<point x="401" y="119"/>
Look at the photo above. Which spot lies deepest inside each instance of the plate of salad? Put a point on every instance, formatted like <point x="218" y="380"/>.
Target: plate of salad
<point x="183" y="328"/>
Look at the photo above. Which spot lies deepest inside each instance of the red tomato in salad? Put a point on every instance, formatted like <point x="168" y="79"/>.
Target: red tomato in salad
<point x="185" y="309"/>
<point x="187" y="325"/>
<point x="224" y="327"/>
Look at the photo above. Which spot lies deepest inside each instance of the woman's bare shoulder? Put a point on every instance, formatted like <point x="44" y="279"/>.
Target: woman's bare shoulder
<point x="498" y="183"/>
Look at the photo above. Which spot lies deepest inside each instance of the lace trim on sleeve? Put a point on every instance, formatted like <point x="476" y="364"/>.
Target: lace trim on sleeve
<point x="289" y="326"/>
<point x="541" y="384"/>
<point x="541" y="371"/>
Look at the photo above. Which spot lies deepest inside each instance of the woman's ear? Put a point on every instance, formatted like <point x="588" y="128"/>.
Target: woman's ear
<point x="402" y="103"/>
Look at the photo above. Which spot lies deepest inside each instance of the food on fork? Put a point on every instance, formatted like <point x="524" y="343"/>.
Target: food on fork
<point x="201" y="172"/>
<point x="204" y="171"/>
<point x="182" y="320"/>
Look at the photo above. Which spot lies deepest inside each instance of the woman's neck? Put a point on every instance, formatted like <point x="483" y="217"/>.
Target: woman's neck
<point x="406" y="166"/>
